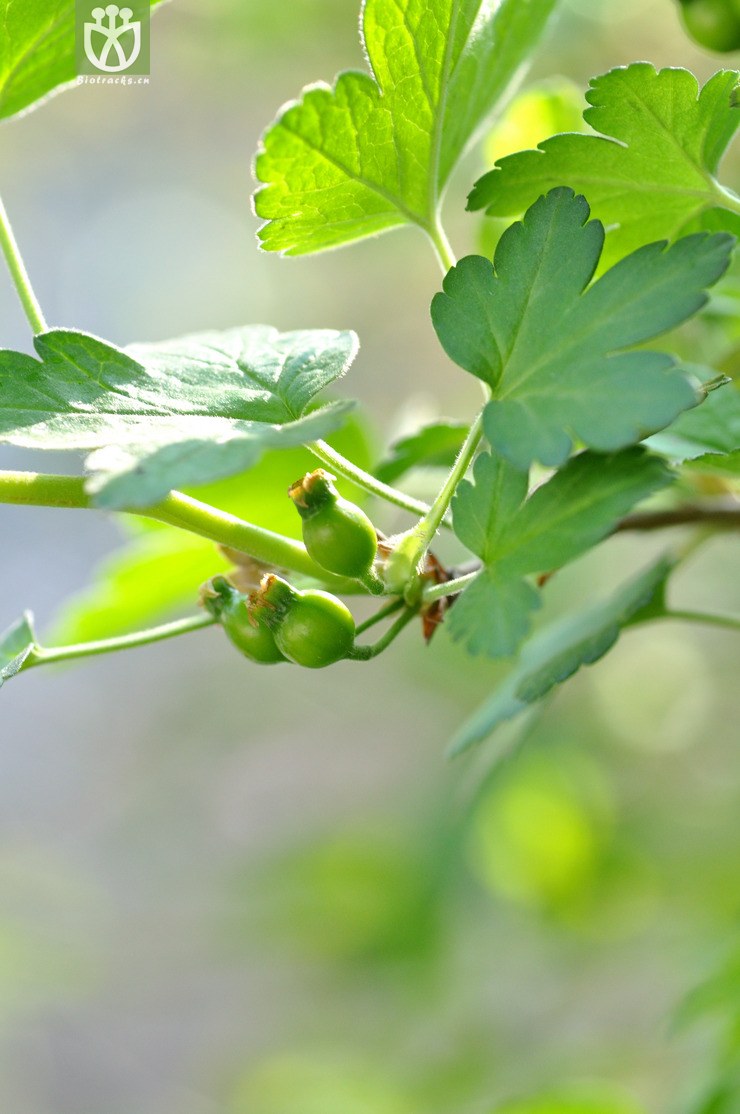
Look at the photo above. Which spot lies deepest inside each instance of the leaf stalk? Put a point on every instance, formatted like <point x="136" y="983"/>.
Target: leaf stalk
<point x="42" y="655"/>
<point x="327" y="455"/>
<point x="365" y="653"/>
<point x="19" y="274"/>
<point x="404" y="563"/>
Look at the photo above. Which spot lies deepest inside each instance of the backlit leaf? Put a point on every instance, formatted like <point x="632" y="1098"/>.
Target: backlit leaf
<point x="650" y="173"/>
<point x="376" y="150"/>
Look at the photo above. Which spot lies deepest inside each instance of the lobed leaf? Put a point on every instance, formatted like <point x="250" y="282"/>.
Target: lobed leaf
<point x="558" y="651"/>
<point x="556" y="351"/>
<point x="650" y="173"/>
<point x="161" y="416"/>
<point x="377" y="149"/>
<point x="516" y="536"/>
<point x="38" y="51"/>
<point x="493" y="615"/>
<point x="16" y="644"/>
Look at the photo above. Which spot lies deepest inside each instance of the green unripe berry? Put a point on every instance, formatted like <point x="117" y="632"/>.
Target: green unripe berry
<point x="714" y="24"/>
<point x="247" y="631"/>
<point x="311" y="628"/>
<point x="337" y="534"/>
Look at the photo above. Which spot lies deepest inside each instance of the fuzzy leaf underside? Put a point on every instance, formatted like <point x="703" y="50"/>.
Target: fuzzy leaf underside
<point x="558" y="651"/>
<point x="650" y="173"/>
<point x="38" y="51"/>
<point x="161" y="416"/>
<point x="556" y="351"/>
<point x="517" y="536"/>
<point x="375" y="150"/>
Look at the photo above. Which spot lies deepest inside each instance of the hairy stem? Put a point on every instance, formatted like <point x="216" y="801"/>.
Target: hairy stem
<point x="220" y="526"/>
<point x="432" y="520"/>
<point x="363" y="479"/>
<point x="372" y="583"/>
<point x="404" y="562"/>
<point x="19" y="274"/>
<point x="42" y="655"/>
<point x="449" y="588"/>
<point x="35" y="489"/>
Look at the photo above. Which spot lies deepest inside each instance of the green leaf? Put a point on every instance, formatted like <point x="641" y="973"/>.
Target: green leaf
<point x="38" y="55"/>
<point x="558" y="651"/>
<point x="376" y="151"/>
<point x="576" y="509"/>
<point x="16" y="644"/>
<point x="515" y="537"/>
<point x="435" y="445"/>
<point x="650" y="174"/>
<point x="712" y="427"/>
<point x="162" y="416"/>
<point x="553" y="352"/>
<point x="722" y="464"/>
<point x="492" y="616"/>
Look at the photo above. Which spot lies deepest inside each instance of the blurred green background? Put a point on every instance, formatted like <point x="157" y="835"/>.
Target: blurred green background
<point x="218" y="899"/>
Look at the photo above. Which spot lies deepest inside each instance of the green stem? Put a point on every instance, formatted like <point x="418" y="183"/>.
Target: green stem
<point x="226" y="529"/>
<point x="372" y="583"/>
<point x="365" y="653"/>
<point x="449" y="588"/>
<point x="431" y="521"/>
<point x="35" y="489"/>
<point x="41" y="655"/>
<point x="726" y="198"/>
<point x="363" y="479"/>
<point x="729" y="622"/>
<point x="442" y="247"/>
<point x="383" y="613"/>
<point x="404" y="563"/>
<point x="19" y="274"/>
